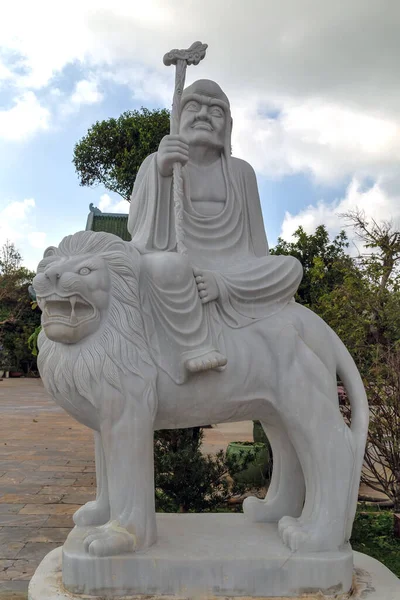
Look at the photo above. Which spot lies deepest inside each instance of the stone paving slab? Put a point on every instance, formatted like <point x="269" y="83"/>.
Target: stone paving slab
<point x="46" y="473"/>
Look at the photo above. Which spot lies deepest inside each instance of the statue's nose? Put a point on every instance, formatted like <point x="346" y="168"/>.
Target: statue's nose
<point x="203" y="113"/>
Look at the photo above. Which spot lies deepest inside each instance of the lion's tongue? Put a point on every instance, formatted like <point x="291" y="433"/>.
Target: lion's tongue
<point x="73" y="319"/>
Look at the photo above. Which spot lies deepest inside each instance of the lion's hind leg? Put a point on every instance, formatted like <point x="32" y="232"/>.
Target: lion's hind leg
<point x="324" y="446"/>
<point x="285" y="495"/>
<point x="96" y="512"/>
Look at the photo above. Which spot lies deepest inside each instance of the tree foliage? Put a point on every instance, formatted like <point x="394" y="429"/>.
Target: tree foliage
<point x="17" y="319"/>
<point x="187" y="479"/>
<point x="112" y="150"/>
<point x="325" y="262"/>
<point x="360" y="299"/>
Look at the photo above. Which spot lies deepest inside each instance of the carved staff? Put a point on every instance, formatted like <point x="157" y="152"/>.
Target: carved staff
<point x="181" y="59"/>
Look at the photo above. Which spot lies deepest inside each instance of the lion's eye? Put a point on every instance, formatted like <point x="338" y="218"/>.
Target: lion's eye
<point x="84" y="271"/>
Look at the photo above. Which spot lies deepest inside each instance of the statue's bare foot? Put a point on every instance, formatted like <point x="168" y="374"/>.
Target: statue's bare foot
<point x="109" y="540"/>
<point x="206" y="285"/>
<point x="206" y="361"/>
<point x="92" y="513"/>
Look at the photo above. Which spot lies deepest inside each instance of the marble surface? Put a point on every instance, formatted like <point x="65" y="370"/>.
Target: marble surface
<point x="371" y="581"/>
<point x="215" y="554"/>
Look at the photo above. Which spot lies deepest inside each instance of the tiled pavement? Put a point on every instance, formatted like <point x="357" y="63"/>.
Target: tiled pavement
<point x="46" y="473"/>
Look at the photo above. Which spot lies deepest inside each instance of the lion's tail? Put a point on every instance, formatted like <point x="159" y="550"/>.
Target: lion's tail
<point x="351" y="378"/>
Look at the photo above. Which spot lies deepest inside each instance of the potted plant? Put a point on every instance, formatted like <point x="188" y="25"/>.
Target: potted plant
<point x="251" y="462"/>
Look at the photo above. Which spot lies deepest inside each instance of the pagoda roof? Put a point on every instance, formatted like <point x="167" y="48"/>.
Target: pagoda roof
<point x="116" y="223"/>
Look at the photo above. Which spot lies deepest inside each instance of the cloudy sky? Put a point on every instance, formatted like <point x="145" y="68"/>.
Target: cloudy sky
<point x="314" y="87"/>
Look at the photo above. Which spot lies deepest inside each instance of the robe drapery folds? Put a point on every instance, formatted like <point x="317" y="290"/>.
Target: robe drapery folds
<point x="231" y="244"/>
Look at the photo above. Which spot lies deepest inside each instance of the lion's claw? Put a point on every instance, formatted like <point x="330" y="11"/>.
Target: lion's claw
<point x="109" y="540"/>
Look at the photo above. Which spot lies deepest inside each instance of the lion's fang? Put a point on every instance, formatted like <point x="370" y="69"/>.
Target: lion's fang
<point x="73" y="319"/>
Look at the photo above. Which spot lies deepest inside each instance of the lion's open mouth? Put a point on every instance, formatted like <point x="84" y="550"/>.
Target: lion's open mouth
<point x="70" y="310"/>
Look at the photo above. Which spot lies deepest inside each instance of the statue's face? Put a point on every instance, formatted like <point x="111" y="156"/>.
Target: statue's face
<point x="203" y="122"/>
<point x="73" y="294"/>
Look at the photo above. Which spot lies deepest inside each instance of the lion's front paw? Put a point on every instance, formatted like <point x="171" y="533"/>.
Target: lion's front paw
<point x="109" y="540"/>
<point x="92" y="513"/>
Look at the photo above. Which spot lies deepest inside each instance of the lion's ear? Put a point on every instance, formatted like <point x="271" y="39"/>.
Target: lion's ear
<point x="50" y="251"/>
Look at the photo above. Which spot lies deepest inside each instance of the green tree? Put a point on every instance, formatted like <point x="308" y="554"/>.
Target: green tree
<point x="325" y="262"/>
<point x="186" y="479"/>
<point x="364" y="309"/>
<point x="17" y="319"/>
<point x="112" y="150"/>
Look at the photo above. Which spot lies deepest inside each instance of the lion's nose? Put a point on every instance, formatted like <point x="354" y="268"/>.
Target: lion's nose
<point x="53" y="275"/>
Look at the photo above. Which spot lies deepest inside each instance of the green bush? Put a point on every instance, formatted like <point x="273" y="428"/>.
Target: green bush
<point x="373" y="535"/>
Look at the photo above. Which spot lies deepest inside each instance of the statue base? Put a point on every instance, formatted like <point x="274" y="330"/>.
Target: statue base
<point x="202" y="555"/>
<point x="371" y="581"/>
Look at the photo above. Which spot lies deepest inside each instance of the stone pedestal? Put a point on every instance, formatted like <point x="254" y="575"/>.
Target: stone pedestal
<point x="208" y="555"/>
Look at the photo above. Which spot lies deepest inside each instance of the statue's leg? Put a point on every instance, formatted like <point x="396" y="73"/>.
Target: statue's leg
<point x="285" y="495"/>
<point x="169" y="283"/>
<point x="128" y="448"/>
<point x="96" y="512"/>
<point x="324" y="446"/>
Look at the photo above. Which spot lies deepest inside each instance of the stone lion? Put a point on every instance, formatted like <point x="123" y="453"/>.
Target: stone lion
<point x="95" y="362"/>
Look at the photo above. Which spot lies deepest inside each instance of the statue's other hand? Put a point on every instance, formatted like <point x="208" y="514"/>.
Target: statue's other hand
<point x="206" y="285"/>
<point x="172" y="149"/>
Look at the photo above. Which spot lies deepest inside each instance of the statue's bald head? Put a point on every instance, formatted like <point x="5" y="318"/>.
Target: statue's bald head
<point x="205" y="87"/>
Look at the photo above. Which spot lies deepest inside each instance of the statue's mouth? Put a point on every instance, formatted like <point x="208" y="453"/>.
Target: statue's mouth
<point x="202" y="125"/>
<point x="69" y="310"/>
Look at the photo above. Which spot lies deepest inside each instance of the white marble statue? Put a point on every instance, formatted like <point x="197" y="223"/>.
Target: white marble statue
<point x="97" y="360"/>
<point x="139" y="336"/>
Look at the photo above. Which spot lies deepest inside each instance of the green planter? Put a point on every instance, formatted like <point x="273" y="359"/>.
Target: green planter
<point x="252" y="460"/>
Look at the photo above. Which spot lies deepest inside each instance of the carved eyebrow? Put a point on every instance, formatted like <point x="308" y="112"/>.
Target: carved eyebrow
<point x="192" y="103"/>
<point x="90" y="263"/>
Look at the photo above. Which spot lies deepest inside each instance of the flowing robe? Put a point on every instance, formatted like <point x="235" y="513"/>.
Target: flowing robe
<point x="232" y="244"/>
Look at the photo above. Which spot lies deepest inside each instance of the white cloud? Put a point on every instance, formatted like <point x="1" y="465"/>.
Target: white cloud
<point x="25" y="118"/>
<point x="109" y="205"/>
<point x="86" y="92"/>
<point x="16" y="224"/>
<point x="381" y="201"/>
<point x="328" y="141"/>
<point x="325" y="71"/>
<point x="37" y="239"/>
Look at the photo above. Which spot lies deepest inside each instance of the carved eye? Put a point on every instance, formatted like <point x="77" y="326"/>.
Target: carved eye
<point x="217" y="112"/>
<point x="84" y="271"/>
<point x="193" y="106"/>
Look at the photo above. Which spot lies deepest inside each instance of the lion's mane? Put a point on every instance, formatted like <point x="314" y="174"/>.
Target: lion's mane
<point x="118" y="349"/>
